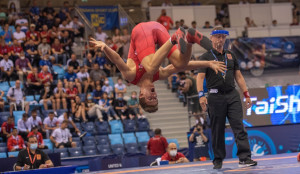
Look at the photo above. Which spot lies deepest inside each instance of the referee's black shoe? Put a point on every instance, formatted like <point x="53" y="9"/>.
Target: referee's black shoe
<point x="247" y="163"/>
<point x="217" y="164"/>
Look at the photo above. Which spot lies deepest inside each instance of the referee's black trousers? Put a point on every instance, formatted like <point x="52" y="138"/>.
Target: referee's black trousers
<point x="222" y="105"/>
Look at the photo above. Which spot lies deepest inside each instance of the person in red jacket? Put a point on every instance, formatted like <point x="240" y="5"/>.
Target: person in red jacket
<point x="173" y="156"/>
<point x="15" y="142"/>
<point x="6" y="128"/>
<point x="165" y="20"/>
<point x="39" y="137"/>
<point x="158" y="144"/>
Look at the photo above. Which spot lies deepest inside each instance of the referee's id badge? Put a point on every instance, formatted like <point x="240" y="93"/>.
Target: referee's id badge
<point x="38" y="157"/>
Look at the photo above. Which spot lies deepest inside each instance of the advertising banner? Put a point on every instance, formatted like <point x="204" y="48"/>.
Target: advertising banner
<point x="105" y="16"/>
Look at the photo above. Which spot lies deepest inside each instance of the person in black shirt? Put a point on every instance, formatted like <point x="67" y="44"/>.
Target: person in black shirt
<point x="224" y="100"/>
<point x="120" y="106"/>
<point x="73" y="62"/>
<point x="47" y="97"/>
<point x="32" y="158"/>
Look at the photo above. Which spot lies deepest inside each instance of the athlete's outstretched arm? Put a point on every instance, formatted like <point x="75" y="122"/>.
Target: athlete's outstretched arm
<point x="192" y="65"/>
<point x="116" y="59"/>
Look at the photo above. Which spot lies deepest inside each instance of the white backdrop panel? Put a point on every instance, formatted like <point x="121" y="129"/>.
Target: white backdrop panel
<point x="282" y="12"/>
<point x="184" y="12"/>
<point x="237" y="14"/>
<point x="204" y="13"/>
<point x="261" y="14"/>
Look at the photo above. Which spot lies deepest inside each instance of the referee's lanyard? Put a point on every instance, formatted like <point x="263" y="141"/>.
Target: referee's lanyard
<point x="216" y="59"/>
<point x="32" y="162"/>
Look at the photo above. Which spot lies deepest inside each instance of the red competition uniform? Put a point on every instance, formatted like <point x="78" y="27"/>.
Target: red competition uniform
<point x="140" y="71"/>
<point x="167" y="157"/>
<point x="165" y="21"/>
<point x="15" y="142"/>
<point x="7" y="127"/>
<point x="144" y="38"/>
<point x="38" y="136"/>
<point x="157" y="145"/>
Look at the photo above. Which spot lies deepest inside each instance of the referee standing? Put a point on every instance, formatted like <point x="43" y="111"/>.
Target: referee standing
<point x="224" y="100"/>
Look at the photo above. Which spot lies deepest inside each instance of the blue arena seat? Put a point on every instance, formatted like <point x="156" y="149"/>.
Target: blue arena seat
<point x="17" y="115"/>
<point x="47" y="151"/>
<point x="132" y="148"/>
<point x="88" y="140"/>
<point x="104" y="149"/>
<point x="142" y="136"/>
<point x="173" y="141"/>
<point x="111" y="81"/>
<point x="116" y="126"/>
<point x="102" y="128"/>
<point x="3" y="155"/>
<point x="61" y="111"/>
<point x="3" y="117"/>
<point x="60" y="71"/>
<point x="29" y="98"/>
<point x="129" y="138"/>
<point x="63" y="152"/>
<point x="129" y="125"/>
<point x="143" y="125"/>
<point x="90" y="150"/>
<point x="13" y="154"/>
<point x="89" y="127"/>
<point x="48" y="143"/>
<point x="3" y="145"/>
<point x="75" y="152"/>
<point x="3" y="149"/>
<point x="82" y="97"/>
<point x="102" y="139"/>
<point x="118" y="149"/>
<point x="143" y="147"/>
<point x="115" y="139"/>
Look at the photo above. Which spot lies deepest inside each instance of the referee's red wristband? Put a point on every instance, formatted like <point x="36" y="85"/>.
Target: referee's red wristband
<point x="246" y="94"/>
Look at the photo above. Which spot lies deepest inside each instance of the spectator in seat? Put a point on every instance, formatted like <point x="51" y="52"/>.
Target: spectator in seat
<point x="36" y="121"/>
<point x="120" y="106"/>
<point x="6" y="34"/>
<point x="17" y="98"/>
<point x="49" y="9"/>
<point x="58" y="52"/>
<point x="40" y="142"/>
<point x="77" y="26"/>
<point x="23" y="67"/>
<point x="72" y="92"/>
<point x="100" y="35"/>
<point x="117" y="40"/>
<point x="45" y="33"/>
<point x="1" y="101"/>
<point x="50" y="123"/>
<point x="84" y="78"/>
<point x="44" y="48"/>
<point x="15" y="50"/>
<point x="207" y="25"/>
<point x="78" y="110"/>
<point x="106" y="107"/>
<point x="33" y="82"/>
<point x="67" y="43"/>
<point x="97" y="94"/>
<point x="88" y="62"/>
<point x="60" y="96"/>
<point x="101" y="60"/>
<point x="249" y="23"/>
<point x="274" y="23"/>
<point x="71" y="76"/>
<point x="47" y="97"/>
<point x="97" y="75"/>
<point x="42" y="159"/>
<point x="167" y="3"/>
<point x="165" y="20"/>
<point x="173" y="156"/>
<point x="199" y="137"/>
<point x="19" y="35"/>
<point x="33" y="34"/>
<point x="61" y="137"/>
<point x="24" y="126"/>
<point x="15" y="142"/>
<point x="45" y="76"/>
<point x="64" y="12"/>
<point x="134" y="106"/>
<point x="194" y="25"/>
<point x="67" y="116"/>
<point x="120" y="87"/>
<point x="6" y="128"/>
<point x="7" y="68"/>
<point x="158" y="144"/>
<point x="4" y="48"/>
<point x="93" y="110"/>
<point x="32" y="53"/>
<point x="12" y="13"/>
<point x="182" y="24"/>
<point x="74" y="63"/>
<point x="49" y="21"/>
<point x="34" y="10"/>
<point x="106" y="87"/>
<point x="126" y="43"/>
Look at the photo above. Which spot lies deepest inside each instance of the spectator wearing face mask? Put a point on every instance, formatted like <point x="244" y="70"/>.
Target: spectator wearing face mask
<point x="120" y="87"/>
<point x="106" y="107"/>
<point x="134" y="106"/>
<point x="97" y="94"/>
<point x="173" y="156"/>
<point x="199" y="137"/>
<point x="120" y="106"/>
<point x="106" y="87"/>
<point x="23" y="67"/>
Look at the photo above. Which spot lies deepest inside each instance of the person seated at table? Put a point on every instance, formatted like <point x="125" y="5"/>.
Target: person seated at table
<point x="173" y="156"/>
<point x="32" y="157"/>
